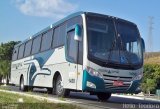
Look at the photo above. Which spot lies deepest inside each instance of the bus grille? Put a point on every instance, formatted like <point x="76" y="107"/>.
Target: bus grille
<point x="108" y="79"/>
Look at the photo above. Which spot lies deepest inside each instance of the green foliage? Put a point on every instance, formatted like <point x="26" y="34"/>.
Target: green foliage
<point x="6" y="50"/>
<point x="4" y="67"/>
<point x="151" y="78"/>
<point x="151" y="84"/>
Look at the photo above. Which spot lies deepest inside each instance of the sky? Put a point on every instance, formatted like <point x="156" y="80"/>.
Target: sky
<point x="20" y="19"/>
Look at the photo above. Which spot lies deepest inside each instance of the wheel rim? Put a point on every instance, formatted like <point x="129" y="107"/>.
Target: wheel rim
<point x="59" y="86"/>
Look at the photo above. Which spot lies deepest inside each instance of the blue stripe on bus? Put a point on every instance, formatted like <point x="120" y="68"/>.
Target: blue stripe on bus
<point x="96" y="80"/>
<point x="41" y="59"/>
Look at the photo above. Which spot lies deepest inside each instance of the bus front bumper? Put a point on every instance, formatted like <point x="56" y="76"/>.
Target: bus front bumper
<point x="96" y="84"/>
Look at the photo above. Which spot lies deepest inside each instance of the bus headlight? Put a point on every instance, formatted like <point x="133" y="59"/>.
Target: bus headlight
<point x="138" y="77"/>
<point x="93" y="72"/>
<point x="91" y="85"/>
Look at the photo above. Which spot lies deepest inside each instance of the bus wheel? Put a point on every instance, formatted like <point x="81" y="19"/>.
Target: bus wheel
<point x="22" y="87"/>
<point x="50" y="90"/>
<point x="59" y="90"/>
<point x="103" y="96"/>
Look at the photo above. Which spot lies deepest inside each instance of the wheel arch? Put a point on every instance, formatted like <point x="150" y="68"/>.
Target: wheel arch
<point x="21" y="77"/>
<point x="56" y="74"/>
<point x="24" y="79"/>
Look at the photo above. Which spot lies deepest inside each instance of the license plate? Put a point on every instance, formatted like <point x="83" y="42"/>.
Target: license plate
<point x="118" y="83"/>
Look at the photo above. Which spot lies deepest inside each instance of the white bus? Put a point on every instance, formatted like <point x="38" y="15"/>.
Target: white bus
<point x="86" y="52"/>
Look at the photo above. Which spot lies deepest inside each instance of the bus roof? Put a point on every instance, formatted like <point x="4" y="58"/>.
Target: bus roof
<point x="67" y="18"/>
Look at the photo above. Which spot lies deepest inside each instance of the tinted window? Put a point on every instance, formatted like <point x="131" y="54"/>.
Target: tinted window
<point x="15" y="53"/>
<point x="59" y="36"/>
<point x="71" y="47"/>
<point x="46" y="40"/>
<point x="55" y="39"/>
<point x="28" y="48"/>
<point x="21" y="51"/>
<point x="62" y="34"/>
<point x="36" y="45"/>
<point x="101" y="37"/>
<point x="71" y="22"/>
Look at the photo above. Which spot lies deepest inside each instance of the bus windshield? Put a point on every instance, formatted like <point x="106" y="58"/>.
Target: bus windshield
<point x="113" y="41"/>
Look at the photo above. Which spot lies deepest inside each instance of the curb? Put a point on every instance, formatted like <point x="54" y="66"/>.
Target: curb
<point x="135" y="97"/>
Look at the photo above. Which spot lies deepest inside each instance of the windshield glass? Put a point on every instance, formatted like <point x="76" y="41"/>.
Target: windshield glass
<point x="113" y="41"/>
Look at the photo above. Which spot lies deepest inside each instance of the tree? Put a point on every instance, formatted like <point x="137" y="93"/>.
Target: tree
<point x="148" y="74"/>
<point x="6" y="50"/>
<point x="151" y="84"/>
<point x="1" y="72"/>
<point x="151" y="78"/>
<point x="5" y="69"/>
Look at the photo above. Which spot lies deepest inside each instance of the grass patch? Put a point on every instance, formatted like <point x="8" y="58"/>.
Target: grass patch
<point x="29" y="92"/>
<point x="45" y="94"/>
<point x="61" y="98"/>
<point x="38" y="106"/>
<point x="16" y="101"/>
<point x="152" y="60"/>
<point x="15" y="98"/>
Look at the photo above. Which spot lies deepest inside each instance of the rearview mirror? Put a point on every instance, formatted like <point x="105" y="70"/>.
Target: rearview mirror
<point x="143" y="44"/>
<point x="77" y="35"/>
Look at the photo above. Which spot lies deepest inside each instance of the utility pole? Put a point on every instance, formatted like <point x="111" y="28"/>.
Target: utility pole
<point x="150" y="35"/>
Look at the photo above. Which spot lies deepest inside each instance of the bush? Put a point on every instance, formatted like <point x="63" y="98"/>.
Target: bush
<point x="151" y="78"/>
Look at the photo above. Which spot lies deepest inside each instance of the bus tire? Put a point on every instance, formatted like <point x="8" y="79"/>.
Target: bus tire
<point x="50" y="90"/>
<point x="59" y="90"/>
<point x="29" y="88"/>
<point x="103" y="96"/>
<point x="22" y="87"/>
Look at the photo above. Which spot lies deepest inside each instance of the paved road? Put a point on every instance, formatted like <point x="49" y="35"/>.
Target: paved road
<point x="91" y="101"/>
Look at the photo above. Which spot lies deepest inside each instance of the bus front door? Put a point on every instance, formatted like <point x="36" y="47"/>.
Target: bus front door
<point x="71" y="55"/>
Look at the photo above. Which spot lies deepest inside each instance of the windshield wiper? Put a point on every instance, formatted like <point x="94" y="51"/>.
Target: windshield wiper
<point x="114" y="42"/>
<point x="110" y="51"/>
<point x="122" y="50"/>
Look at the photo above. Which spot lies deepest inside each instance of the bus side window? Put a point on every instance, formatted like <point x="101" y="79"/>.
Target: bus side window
<point x="70" y="23"/>
<point x="36" y="45"/>
<point x="59" y="36"/>
<point x="71" y="47"/>
<point x="15" y="53"/>
<point x="21" y="51"/>
<point x="55" y="39"/>
<point x="47" y="40"/>
<point x="28" y="46"/>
